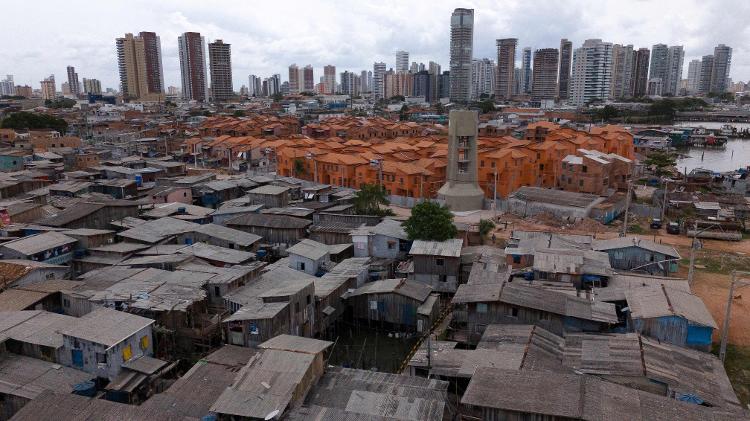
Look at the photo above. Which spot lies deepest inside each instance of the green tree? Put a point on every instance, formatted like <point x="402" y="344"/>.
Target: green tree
<point x="397" y="98"/>
<point x="607" y="113"/>
<point x="403" y="115"/>
<point x="238" y="113"/>
<point x="369" y="199"/>
<point x="24" y="120"/>
<point x="661" y="161"/>
<point x="299" y="166"/>
<point x="277" y="97"/>
<point x="430" y="221"/>
<point x="486" y="106"/>
<point x="485" y="227"/>
<point x="60" y="103"/>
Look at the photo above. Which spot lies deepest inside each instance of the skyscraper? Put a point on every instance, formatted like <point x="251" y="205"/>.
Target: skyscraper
<point x="192" y="51"/>
<point x="73" y="81"/>
<point x="254" y="86"/>
<point x="296" y="85"/>
<point x="592" y="72"/>
<point x="49" y="89"/>
<point x="526" y="70"/>
<point x="675" y="61"/>
<point x="461" y="54"/>
<point x="622" y="71"/>
<point x="329" y="79"/>
<point x="7" y="86"/>
<point x="402" y="61"/>
<point x="639" y="78"/>
<point x="563" y="76"/>
<point x="308" y="79"/>
<point x="351" y="83"/>
<point x="506" y="60"/>
<point x="658" y="67"/>
<point x="482" y="78"/>
<point x="694" y="74"/>
<point x="364" y="83"/>
<point x="720" y="69"/>
<point x="378" y="80"/>
<point x="140" y="66"/>
<point x="704" y="80"/>
<point x="92" y="86"/>
<point x="220" y="62"/>
<point x="544" y="85"/>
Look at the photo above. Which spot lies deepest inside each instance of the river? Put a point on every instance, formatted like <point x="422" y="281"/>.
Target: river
<point x="736" y="155"/>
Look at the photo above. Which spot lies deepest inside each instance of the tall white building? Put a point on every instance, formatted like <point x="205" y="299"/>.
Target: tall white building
<point x="254" y="86"/>
<point x="675" y="61"/>
<point x="192" y="51"/>
<point x="592" y="72"/>
<point x="461" y="54"/>
<point x="482" y="77"/>
<point x="694" y="76"/>
<point x="526" y="70"/>
<point x="622" y="70"/>
<point x="7" y="86"/>
<point x="378" y="80"/>
<point x="402" y="61"/>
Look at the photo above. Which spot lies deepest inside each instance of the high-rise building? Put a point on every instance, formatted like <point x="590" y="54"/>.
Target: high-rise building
<point x="658" y="67"/>
<point x="444" y="84"/>
<point x="378" y="80"/>
<point x="592" y="72"/>
<point x="461" y="54"/>
<point x="720" y="68"/>
<point x="544" y="85"/>
<point x="675" y="61"/>
<point x="7" y="86"/>
<point x="694" y="75"/>
<point x="506" y="60"/>
<point x="254" y="86"/>
<point x="526" y="70"/>
<point x="482" y="78"/>
<point x="639" y="78"/>
<point x="65" y="88"/>
<point x="364" y="82"/>
<point x="433" y="70"/>
<point x="329" y="79"/>
<point x="220" y="62"/>
<point x="351" y="83"/>
<point x="49" y="88"/>
<point x="414" y="68"/>
<point x="308" y="79"/>
<point x="704" y="80"/>
<point x="173" y="91"/>
<point x="517" y="81"/>
<point x="73" y="81"/>
<point x="563" y="76"/>
<point x="296" y="84"/>
<point x="140" y="67"/>
<point x="92" y="86"/>
<point x="402" y="61"/>
<point x="25" y="91"/>
<point x="622" y="70"/>
<point x="369" y="80"/>
<point x="192" y="51"/>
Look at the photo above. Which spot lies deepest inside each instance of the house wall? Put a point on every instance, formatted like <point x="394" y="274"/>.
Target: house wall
<point x="241" y="332"/>
<point x="390" y="308"/>
<point x="116" y="355"/>
<point x="273" y="235"/>
<point x="442" y="278"/>
<point x="628" y="258"/>
<point x="670" y="329"/>
<point x="41" y="275"/>
<point x="304" y="264"/>
<point x="270" y="201"/>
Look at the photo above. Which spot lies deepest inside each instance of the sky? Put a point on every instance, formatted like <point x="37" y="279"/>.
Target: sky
<point x="42" y="37"/>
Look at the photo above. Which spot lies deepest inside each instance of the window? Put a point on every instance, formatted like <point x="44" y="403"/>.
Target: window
<point x="541" y="167"/>
<point x="217" y="291"/>
<point x="296" y="307"/>
<point x="512" y="311"/>
<point x="184" y="194"/>
<point x="301" y="265"/>
<point x="127" y="353"/>
<point x="492" y="164"/>
<point x="481" y="164"/>
<point x="580" y="183"/>
<point x="481" y="308"/>
<point x="516" y="258"/>
<point x="101" y="358"/>
<point x="443" y="278"/>
<point x="50" y="276"/>
<point x="439" y="262"/>
<point x="309" y="299"/>
<point x="66" y="302"/>
<point x="584" y="168"/>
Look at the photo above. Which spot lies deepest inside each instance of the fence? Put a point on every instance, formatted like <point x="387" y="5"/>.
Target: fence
<point x="645" y="211"/>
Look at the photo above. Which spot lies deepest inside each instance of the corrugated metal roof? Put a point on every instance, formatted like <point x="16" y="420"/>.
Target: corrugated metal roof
<point x="107" y="327"/>
<point x="38" y="243"/>
<point x="447" y="248"/>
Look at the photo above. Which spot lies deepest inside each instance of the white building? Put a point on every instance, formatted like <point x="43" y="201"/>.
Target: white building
<point x="7" y="86"/>
<point x="694" y="76"/>
<point x="592" y="72"/>
<point x="378" y="80"/>
<point x="482" y="77"/>
<point x="402" y="61"/>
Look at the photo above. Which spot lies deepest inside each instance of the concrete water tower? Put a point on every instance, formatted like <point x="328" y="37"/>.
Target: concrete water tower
<point x="461" y="191"/>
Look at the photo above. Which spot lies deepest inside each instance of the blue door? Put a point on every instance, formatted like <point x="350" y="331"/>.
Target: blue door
<point x="77" y="356"/>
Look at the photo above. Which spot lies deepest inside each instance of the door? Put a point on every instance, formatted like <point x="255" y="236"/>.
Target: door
<point x="77" y="356"/>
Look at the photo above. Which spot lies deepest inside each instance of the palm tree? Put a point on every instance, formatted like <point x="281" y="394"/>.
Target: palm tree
<point x="369" y="198"/>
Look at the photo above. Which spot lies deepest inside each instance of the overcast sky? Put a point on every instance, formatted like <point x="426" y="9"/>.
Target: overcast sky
<point x="42" y="37"/>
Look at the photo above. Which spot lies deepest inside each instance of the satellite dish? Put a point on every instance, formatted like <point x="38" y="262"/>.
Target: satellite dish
<point x="272" y="414"/>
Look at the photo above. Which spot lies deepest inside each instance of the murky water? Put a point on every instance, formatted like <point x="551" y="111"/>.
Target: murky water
<point x="736" y="155"/>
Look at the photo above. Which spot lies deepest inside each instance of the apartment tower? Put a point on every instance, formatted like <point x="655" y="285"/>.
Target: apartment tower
<point x="220" y="63"/>
<point x="139" y="60"/>
<point x="192" y="51"/>
<point x="544" y="85"/>
<point x="563" y="74"/>
<point x="506" y="60"/>
<point x="75" y="88"/>
<point x="592" y="72"/>
<point x="461" y="54"/>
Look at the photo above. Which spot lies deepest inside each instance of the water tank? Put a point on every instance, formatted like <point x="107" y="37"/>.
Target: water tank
<point x="138" y="180"/>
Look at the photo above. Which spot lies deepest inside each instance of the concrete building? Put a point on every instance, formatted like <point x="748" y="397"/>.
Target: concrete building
<point x="622" y="71"/>
<point x="704" y="80"/>
<point x="563" y="77"/>
<point x="544" y="84"/>
<point x="693" y="78"/>
<point x="437" y="263"/>
<point x="592" y="72"/>
<point x="402" y="61"/>
<point x="92" y="86"/>
<point x="254" y="86"/>
<point x="461" y="192"/>
<point x="329" y="79"/>
<point x="296" y="83"/>
<point x="220" y="62"/>
<point x="378" y="80"/>
<point x="526" y="70"/>
<point x="720" y="68"/>
<point x="506" y="59"/>
<point x="7" y="86"/>
<point x="482" y="78"/>
<point x="49" y="88"/>
<point x="639" y="77"/>
<point x="675" y="60"/>
<point x="139" y="60"/>
<point x="192" y="51"/>
<point x="461" y="54"/>
<point x="75" y="87"/>
<point x="658" y="67"/>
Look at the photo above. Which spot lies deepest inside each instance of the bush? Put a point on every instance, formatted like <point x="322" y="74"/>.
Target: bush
<point x="430" y="221"/>
<point x="24" y="120"/>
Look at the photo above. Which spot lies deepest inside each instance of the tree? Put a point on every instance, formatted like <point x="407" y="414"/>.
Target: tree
<point x="299" y="166"/>
<point x="277" y="97"/>
<point x="486" y="106"/>
<point x="369" y="199"/>
<point x="60" y="103"/>
<point x="485" y="227"/>
<point x="24" y="120"/>
<point x="607" y="113"/>
<point x="439" y="109"/>
<point x="661" y="161"/>
<point x="238" y="113"/>
<point x="403" y="115"/>
<point x="430" y="221"/>
<point x="397" y="98"/>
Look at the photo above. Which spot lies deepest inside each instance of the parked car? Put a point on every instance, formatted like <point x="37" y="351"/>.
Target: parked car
<point x="673" y="228"/>
<point x="656" y="224"/>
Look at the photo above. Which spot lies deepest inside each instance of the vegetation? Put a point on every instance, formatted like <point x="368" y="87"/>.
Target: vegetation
<point x="486" y="106"/>
<point x="277" y="97"/>
<point x="397" y="98"/>
<point x="369" y="199"/>
<point x="722" y="96"/>
<point x="430" y="221"/>
<point x="60" y="103"/>
<point x="606" y="113"/>
<point x="403" y="115"/>
<point x="299" y="166"/>
<point x="439" y="109"/>
<point x="485" y="227"/>
<point x="661" y="161"/>
<point x="737" y="364"/>
<point x="23" y="120"/>
<point x="12" y="97"/>
<point x="239" y="113"/>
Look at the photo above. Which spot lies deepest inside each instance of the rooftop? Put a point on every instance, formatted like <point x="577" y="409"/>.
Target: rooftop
<point x="107" y="327"/>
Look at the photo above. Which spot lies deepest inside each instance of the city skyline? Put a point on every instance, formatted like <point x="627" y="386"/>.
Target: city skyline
<point x="265" y="44"/>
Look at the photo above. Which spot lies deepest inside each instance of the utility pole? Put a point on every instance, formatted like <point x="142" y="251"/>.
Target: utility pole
<point x="627" y="210"/>
<point x="693" y="246"/>
<point x="494" y="199"/>
<point x="727" y="315"/>
<point x="664" y="201"/>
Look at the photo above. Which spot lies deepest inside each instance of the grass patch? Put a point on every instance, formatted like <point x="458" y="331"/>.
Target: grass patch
<point x="737" y="364"/>
<point x="719" y="262"/>
<point x="636" y="229"/>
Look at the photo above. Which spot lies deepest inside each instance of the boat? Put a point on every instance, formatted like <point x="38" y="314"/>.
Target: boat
<point x="726" y="130"/>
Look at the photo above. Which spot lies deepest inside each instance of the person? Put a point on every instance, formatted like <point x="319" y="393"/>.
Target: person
<point x="493" y="238"/>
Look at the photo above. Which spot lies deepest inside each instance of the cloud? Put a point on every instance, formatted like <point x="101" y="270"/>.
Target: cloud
<point x="43" y="38"/>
